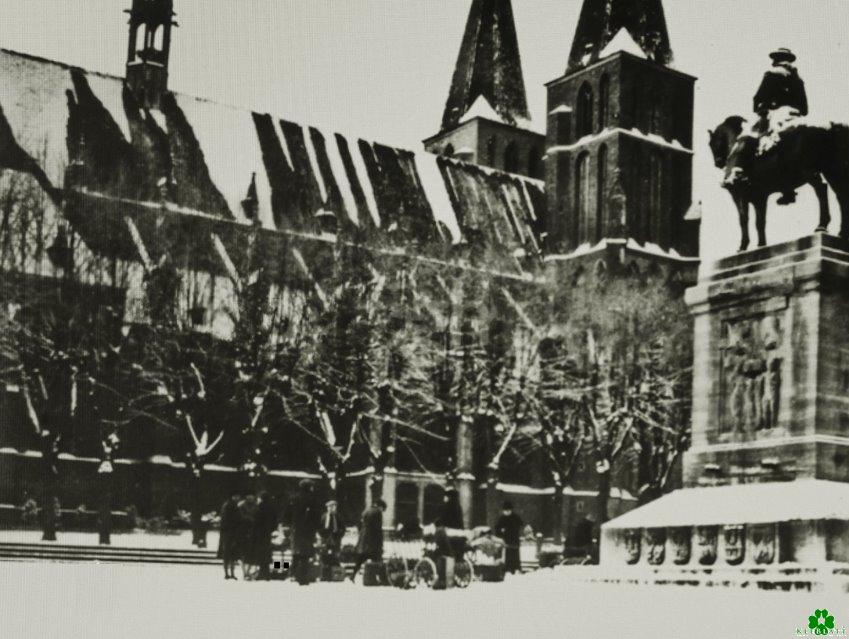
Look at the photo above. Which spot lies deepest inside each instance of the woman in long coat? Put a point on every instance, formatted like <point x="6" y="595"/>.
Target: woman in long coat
<point x="228" y="543"/>
<point x="370" y="543"/>
<point x="303" y="517"/>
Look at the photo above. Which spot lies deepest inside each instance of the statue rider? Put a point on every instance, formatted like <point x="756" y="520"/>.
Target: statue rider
<point x="781" y="87"/>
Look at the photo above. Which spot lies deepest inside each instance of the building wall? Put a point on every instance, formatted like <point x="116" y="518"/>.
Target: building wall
<point x="489" y="142"/>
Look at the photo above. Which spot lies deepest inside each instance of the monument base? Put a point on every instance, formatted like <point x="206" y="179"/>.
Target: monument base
<point x="785" y="578"/>
<point x="799" y="524"/>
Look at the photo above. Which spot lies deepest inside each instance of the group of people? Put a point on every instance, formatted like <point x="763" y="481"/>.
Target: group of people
<point x="248" y="523"/>
<point x="308" y="521"/>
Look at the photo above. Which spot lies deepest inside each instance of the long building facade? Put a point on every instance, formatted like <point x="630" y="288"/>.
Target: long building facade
<point x="128" y="174"/>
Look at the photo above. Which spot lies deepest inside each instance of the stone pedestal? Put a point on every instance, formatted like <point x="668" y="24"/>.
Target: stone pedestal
<point x="767" y="476"/>
<point x="771" y="366"/>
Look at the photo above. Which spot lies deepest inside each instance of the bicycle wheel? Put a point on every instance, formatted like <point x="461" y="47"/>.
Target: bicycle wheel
<point x="463" y="573"/>
<point x="425" y="574"/>
<point x="250" y="571"/>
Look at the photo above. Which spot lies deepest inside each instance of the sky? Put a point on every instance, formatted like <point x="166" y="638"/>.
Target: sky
<point x="381" y="69"/>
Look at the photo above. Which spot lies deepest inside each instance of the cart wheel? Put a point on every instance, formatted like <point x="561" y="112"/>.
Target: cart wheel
<point x="250" y="572"/>
<point x="425" y="574"/>
<point x="463" y="573"/>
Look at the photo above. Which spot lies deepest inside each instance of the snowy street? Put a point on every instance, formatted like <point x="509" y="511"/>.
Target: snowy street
<point x="69" y="601"/>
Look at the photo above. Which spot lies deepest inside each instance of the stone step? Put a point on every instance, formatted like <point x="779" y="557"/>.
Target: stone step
<point x="105" y="553"/>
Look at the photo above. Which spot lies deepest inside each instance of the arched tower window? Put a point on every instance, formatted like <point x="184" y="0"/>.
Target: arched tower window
<point x="582" y="197"/>
<point x="584" y="112"/>
<point x="655" y="203"/>
<point x="601" y="194"/>
<point x="604" y="103"/>
<point x="533" y="162"/>
<point x="491" y="151"/>
<point x="511" y="158"/>
<point x="157" y="39"/>
<point x="138" y="37"/>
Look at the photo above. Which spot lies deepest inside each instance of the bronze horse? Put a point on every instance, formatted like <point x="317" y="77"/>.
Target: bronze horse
<point x="804" y="155"/>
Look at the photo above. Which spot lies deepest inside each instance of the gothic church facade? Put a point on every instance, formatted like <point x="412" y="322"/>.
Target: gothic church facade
<point x="134" y="169"/>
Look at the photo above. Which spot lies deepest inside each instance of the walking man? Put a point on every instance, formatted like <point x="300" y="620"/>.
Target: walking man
<point x="370" y="544"/>
<point x="304" y="520"/>
<point x="266" y="522"/>
<point x="509" y="528"/>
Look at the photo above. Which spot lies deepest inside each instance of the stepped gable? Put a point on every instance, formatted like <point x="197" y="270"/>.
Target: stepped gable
<point x="52" y="115"/>
<point x="489" y="65"/>
<point x="602" y="20"/>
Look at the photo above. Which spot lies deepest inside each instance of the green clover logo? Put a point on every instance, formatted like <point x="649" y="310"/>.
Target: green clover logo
<point x="821" y="622"/>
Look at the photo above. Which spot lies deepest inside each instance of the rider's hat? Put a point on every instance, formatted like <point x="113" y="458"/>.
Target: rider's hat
<point x="783" y="55"/>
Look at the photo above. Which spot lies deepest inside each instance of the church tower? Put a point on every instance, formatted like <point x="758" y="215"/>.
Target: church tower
<point x="486" y="119"/>
<point x="149" y="48"/>
<point x="620" y="134"/>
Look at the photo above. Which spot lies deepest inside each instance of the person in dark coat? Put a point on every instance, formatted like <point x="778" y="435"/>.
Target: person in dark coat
<point x="247" y="521"/>
<point x="304" y="518"/>
<point x="264" y="526"/>
<point x="451" y="513"/>
<point x="509" y="528"/>
<point x="331" y="531"/>
<point x="781" y="86"/>
<point x="370" y="543"/>
<point x="228" y="542"/>
<point x="450" y="517"/>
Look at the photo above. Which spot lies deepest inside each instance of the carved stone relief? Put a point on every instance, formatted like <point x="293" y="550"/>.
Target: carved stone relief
<point x="750" y="386"/>
<point x="735" y="544"/>
<point x="707" y="538"/>
<point x="656" y="545"/>
<point x="681" y="545"/>
<point x="762" y="541"/>
<point x="633" y="540"/>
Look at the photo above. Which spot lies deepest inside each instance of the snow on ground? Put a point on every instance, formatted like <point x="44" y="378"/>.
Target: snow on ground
<point x="68" y="601"/>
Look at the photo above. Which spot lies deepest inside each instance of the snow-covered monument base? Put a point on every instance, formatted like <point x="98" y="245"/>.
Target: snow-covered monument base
<point x="766" y="496"/>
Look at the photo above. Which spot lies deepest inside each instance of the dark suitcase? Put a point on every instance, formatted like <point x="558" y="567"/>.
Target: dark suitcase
<point x="374" y="574"/>
<point x="490" y="572"/>
<point x="332" y="573"/>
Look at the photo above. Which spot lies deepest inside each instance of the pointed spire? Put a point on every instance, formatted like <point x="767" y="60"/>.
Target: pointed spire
<point x="489" y="65"/>
<point x="603" y="20"/>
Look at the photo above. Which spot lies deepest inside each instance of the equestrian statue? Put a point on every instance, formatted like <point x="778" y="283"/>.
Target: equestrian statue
<point x="781" y="151"/>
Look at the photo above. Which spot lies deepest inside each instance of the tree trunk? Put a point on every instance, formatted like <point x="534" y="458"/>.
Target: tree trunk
<point x="105" y="509"/>
<point x="376" y="486"/>
<point x="49" y="496"/>
<point x="557" y="509"/>
<point x="492" y="497"/>
<point x="48" y="509"/>
<point x="198" y="532"/>
<point x="603" y="498"/>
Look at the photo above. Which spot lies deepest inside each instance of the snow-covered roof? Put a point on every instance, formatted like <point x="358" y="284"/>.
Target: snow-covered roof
<point x="623" y="42"/>
<point x="635" y="133"/>
<point x="51" y="113"/>
<point x="648" y="248"/>
<point x="802" y="500"/>
<point x="481" y="109"/>
<point x="694" y="213"/>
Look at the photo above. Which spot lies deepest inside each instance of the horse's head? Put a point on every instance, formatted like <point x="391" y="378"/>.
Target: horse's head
<point x="723" y="138"/>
